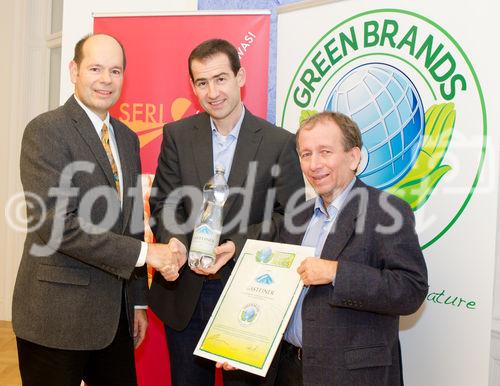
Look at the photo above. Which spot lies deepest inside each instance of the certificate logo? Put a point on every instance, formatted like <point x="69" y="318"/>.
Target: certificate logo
<point x="278" y="259"/>
<point x="264" y="255"/>
<point x="249" y="314"/>
<point x="265" y="279"/>
<point x="417" y="100"/>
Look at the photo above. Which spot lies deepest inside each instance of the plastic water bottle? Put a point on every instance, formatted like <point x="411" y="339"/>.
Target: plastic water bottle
<point x="208" y="226"/>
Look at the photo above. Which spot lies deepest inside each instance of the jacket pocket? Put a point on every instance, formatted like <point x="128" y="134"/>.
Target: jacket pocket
<point x="371" y="356"/>
<point x="63" y="275"/>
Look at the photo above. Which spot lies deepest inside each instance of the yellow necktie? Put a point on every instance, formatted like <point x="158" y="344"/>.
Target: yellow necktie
<point x="109" y="153"/>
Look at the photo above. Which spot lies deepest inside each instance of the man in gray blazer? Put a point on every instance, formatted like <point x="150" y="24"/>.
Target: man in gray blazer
<point x="83" y="270"/>
<point x="259" y="160"/>
<point x="368" y="268"/>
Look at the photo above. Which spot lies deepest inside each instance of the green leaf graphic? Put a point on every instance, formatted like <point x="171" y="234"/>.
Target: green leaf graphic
<point x="417" y="192"/>
<point x="304" y="114"/>
<point x="417" y="186"/>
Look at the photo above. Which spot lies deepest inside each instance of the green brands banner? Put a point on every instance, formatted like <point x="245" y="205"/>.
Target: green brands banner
<point x="415" y="79"/>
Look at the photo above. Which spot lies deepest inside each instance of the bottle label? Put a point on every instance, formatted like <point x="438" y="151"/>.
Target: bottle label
<point x="205" y="239"/>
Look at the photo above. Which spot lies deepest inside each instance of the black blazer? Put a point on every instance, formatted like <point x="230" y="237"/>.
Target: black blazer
<point x="186" y="160"/>
<point x="350" y="330"/>
<point x="71" y="297"/>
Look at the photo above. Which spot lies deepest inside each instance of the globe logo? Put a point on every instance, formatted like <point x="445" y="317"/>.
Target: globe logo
<point x="264" y="255"/>
<point x="249" y="313"/>
<point x="389" y="112"/>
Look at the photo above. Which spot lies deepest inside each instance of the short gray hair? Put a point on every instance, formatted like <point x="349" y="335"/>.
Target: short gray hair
<point x="351" y="135"/>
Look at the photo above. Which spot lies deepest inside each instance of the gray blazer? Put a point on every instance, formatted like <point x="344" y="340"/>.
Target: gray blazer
<point x="186" y="160"/>
<point x="350" y="331"/>
<point x="71" y="297"/>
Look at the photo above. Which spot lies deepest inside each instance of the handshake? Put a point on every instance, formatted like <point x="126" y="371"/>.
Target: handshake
<point x="167" y="259"/>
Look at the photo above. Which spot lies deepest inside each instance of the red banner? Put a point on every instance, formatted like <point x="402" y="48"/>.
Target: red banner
<point x="156" y="90"/>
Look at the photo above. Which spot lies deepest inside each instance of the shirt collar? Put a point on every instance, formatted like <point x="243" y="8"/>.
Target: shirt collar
<point x="336" y="204"/>
<point x="94" y="118"/>
<point x="236" y="129"/>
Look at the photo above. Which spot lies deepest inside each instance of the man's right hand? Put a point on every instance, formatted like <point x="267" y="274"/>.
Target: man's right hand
<point x="167" y="258"/>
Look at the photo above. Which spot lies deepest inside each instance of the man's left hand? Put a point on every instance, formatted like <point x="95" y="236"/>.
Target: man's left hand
<point x="314" y="271"/>
<point x="140" y="326"/>
<point x="223" y="253"/>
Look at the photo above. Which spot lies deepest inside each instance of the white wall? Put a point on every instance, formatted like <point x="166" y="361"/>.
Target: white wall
<point x="495" y="326"/>
<point x="23" y="95"/>
<point x="7" y="36"/>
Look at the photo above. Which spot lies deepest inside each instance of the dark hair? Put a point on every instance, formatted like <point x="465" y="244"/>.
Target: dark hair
<point x="78" y="56"/>
<point x="213" y="47"/>
<point x="351" y="135"/>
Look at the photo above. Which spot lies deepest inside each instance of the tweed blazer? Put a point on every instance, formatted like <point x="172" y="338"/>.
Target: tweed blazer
<point x="70" y="296"/>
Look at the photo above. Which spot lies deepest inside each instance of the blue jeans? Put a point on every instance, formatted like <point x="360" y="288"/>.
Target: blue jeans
<point x="188" y="369"/>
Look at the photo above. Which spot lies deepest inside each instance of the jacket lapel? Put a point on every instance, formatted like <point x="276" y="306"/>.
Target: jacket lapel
<point x="246" y="148"/>
<point x="202" y="149"/>
<point x="87" y="131"/>
<point x="126" y="161"/>
<point x="345" y="224"/>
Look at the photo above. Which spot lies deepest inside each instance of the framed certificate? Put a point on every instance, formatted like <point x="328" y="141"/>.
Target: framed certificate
<point x="256" y="304"/>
